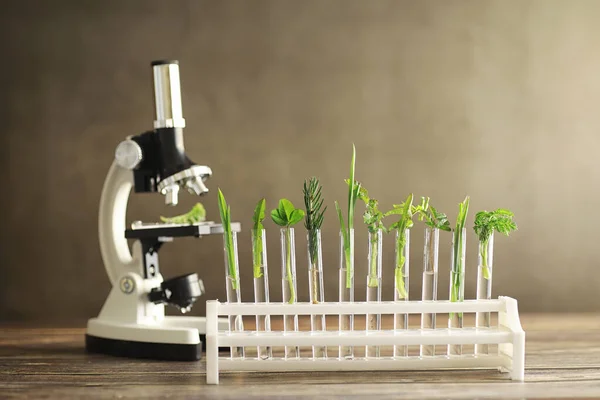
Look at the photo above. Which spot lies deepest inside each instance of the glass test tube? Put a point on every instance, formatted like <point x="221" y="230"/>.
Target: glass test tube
<point x="401" y="284"/>
<point x="232" y="283"/>
<point x="346" y="289"/>
<point x="288" y="285"/>
<point x="316" y="289"/>
<point x="261" y="285"/>
<point x="374" y="287"/>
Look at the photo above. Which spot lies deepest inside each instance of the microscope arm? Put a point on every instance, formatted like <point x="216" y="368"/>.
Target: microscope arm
<point x="116" y="256"/>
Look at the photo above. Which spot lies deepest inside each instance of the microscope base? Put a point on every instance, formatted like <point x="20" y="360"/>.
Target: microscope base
<point x="172" y="339"/>
<point x="132" y="349"/>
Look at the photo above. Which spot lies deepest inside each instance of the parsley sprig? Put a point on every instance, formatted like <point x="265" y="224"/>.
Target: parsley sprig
<point x="486" y="222"/>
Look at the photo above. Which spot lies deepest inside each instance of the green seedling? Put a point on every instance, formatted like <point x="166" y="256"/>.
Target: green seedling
<point x="195" y="215"/>
<point x="225" y="212"/>
<point x="486" y="222"/>
<point x="286" y="215"/>
<point x="432" y="217"/>
<point x="373" y="219"/>
<point x="353" y="191"/>
<point x="257" y="228"/>
<point x="405" y="211"/>
<point x="313" y="201"/>
<point x="457" y="273"/>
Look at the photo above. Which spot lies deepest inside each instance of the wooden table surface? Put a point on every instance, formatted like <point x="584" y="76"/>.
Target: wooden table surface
<point x="563" y="360"/>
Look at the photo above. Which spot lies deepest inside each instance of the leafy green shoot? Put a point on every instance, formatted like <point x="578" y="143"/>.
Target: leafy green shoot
<point x="432" y="217"/>
<point x="313" y="201"/>
<point x="405" y="211"/>
<point x="195" y="215"/>
<point x="486" y="222"/>
<point x="373" y="219"/>
<point x="225" y="212"/>
<point x="458" y="272"/>
<point x="257" y="245"/>
<point x="286" y="215"/>
<point x="353" y="192"/>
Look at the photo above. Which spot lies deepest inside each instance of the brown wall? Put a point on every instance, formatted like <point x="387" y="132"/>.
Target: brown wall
<point x="496" y="99"/>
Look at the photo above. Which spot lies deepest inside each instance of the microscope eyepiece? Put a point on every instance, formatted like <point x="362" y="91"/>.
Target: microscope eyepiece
<point x="167" y="95"/>
<point x="163" y="62"/>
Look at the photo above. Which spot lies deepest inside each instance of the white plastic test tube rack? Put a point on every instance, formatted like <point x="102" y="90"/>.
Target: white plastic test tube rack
<point x="508" y="335"/>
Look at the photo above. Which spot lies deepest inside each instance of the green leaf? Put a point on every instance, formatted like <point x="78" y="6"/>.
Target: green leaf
<point x="222" y="206"/>
<point x="286" y="214"/>
<point x="313" y="202"/>
<point x="394" y="211"/>
<point x="340" y="217"/>
<point x="296" y="217"/>
<point x="406" y="211"/>
<point x="285" y="208"/>
<point x="499" y="220"/>
<point x="258" y="217"/>
<point x="276" y="217"/>
<point x="353" y="190"/>
<point x="225" y="212"/>
<point x="436" y="219"/>
<point x="259" y="212"/>
<point x="195" y="215"/>
<point x="458" y="267"/>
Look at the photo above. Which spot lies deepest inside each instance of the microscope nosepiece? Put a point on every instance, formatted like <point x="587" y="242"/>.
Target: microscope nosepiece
<point x="191" y="179"/>
<point x="196" y="186"/>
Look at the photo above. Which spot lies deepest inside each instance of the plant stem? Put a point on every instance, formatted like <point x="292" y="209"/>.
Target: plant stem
<point x="288" y="265"/>
<point x="315" y="281"/>
<point x="400" y="260"/>
<point x="313" y="254"/>
<point x="373" y="280"/>
<point x="458" y="267"/>
<point x="257" y="252"/>
<point x="348" y="267"/>
<point x="483" y="246"/>
<point x="352" y="193"/>
<point x="230" y="258"/>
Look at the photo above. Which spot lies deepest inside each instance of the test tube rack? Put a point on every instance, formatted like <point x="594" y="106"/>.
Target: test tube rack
<point x="507" y="335"/>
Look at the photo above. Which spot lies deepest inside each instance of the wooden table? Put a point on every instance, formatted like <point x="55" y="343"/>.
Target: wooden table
<point x="563" y="360"/>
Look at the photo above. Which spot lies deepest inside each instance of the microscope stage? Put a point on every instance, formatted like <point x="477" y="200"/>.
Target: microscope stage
<point x="147" y="231"/>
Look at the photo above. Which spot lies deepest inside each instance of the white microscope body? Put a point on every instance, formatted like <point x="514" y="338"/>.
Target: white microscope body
<point x="132" y="322"/>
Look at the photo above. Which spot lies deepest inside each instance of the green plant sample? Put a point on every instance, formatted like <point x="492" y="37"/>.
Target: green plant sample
<point x="486" y="222"/>
<point x="432" y="217"/>
<point x="195" y="215"/>
<point x="286" y="215"/>
<point x="405" y="211"/>
<point x="457" y="272"/>
<point x="313" y="201"/>
<point x="373" y="219"/>
<point x="257" y="227"/>
<point x="353" y="191"/>
<point x="225" y="212"/>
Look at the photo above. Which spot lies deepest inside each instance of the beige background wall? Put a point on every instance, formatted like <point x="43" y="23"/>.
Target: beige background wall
<point x="496" y="99"/>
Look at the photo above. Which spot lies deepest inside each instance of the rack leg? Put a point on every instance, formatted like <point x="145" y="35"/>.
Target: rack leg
<point x="518" y="363"/>
<point x="212" y="345"/>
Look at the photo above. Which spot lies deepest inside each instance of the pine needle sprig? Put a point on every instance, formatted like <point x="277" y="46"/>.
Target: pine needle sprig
<point x="313" y="201"/>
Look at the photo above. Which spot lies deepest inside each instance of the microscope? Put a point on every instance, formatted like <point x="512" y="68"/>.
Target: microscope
<point x="132" y="322"/>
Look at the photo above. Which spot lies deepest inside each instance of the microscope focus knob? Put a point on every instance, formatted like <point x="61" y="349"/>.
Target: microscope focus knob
<point x="128" y="154"/>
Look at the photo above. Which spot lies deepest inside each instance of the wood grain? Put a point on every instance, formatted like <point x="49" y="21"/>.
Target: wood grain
<point x="563" y="360"/>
